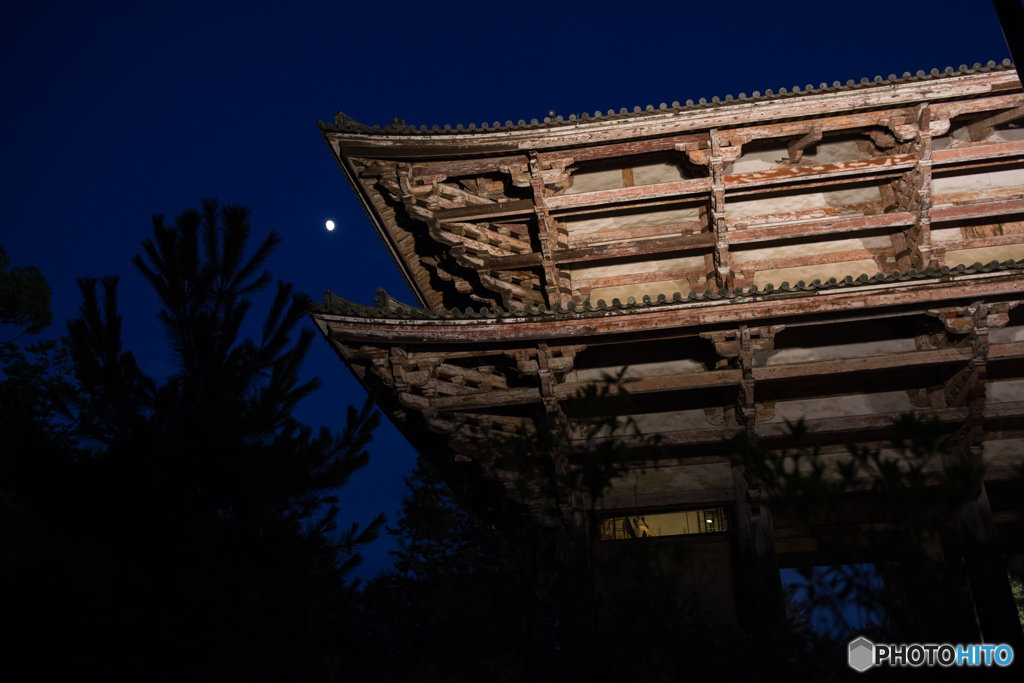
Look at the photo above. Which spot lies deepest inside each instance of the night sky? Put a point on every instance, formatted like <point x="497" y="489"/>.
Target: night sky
<point x="115" y="111"/>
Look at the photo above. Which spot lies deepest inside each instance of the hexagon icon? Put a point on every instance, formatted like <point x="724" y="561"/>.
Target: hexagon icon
<point x="861" y="654"/>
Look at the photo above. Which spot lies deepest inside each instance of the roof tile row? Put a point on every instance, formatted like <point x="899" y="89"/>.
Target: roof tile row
<point x="344" y="124"/>
<point x="388" y="307"/>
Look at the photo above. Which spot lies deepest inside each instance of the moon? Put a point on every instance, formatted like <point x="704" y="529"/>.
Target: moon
<point x="330" y="225"/>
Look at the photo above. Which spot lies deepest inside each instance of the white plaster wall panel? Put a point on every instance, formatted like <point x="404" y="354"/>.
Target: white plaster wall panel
<point x="642" y="370"/>
<point x="644" y="220"/>
<point x="809" y="273"/>
<point x="672" y="479"/>
<point x="759" y="161"/>
<point x="674" y="421"/>
<point x="947" y="234"/>
<point x="595" y="180"/>
<point x="656" y="423"/>
<point x="652" y="174"/>
<point x="1010" y="333"/>
<point x="961" y="134"/>
<point x="857" y="195"/>
<point x="805" y="354"/>
<point x="738" y="208"/>
<point x="824" y="152"/>
<point x="794" y="250"/>
<point x="1004" y="453"/>
<point x="652" y="265"/>
<point x="977" y="181"/>
<point x="1008" y="134"/>
<point x="1004" y="392"/>
<point x="651" y="289"/>
<point x="841" y="406"/>
<point x="985" y="255"/>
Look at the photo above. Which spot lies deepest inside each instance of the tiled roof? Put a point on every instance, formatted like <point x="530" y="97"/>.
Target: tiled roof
<point x="388" y="307"/>
<point x="344" y="124"/>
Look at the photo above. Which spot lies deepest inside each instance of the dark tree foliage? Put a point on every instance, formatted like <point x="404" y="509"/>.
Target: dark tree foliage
<point x="24" y="299"/>
<point x="900" y="509"/>
<point x="185" y="530"/>
<point x="528" y="600"/>
<point x="467" y="602"/>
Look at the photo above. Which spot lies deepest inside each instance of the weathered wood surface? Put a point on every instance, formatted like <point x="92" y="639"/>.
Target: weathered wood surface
<point x="497" y="394"/>
<point x="484" y="168"/>
<point x="606" y="251"/>
<point x="837" y="169"/>
<point x="685" y="227"/>
<point x="995" y="150"/>
<point x="981" y="87"/>
<point x="833" y="301"/>
<point x="679" y="188"/>
<point x="808" y="229"/>
<point x="832" y="425"/>
<point x="865" y="364"/>
<point x="979" y="210"/>
<point x="499" y="210"/>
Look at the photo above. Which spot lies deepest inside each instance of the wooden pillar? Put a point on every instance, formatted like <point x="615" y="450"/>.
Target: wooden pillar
<point x="983" y="558"/>
<point x="760" y="602"/>
<point x="986" y="573"/>
<point x="723" y="262"/>
<point x="556" y="282"/>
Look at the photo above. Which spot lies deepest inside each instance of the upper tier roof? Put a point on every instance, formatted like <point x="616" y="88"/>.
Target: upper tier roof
<point x="344" y="124"/>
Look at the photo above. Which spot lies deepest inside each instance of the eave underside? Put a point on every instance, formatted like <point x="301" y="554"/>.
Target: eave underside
<point x="849" y="362"/>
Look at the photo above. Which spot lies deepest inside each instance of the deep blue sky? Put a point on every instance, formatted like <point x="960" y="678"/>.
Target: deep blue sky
<point x="115" y="111"/>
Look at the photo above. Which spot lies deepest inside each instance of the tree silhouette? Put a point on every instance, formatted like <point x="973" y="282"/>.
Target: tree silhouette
<point x="194" y="533"/>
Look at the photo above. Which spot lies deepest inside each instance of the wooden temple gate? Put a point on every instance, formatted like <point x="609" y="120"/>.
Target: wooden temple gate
<point x="843" y="254"/>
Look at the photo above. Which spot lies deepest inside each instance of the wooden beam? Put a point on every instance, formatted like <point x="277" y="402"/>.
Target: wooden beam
<point x="856" y="423"/>
<point x="976" y="196"/>
<point x="865" y="208"/>
<point x="808" y="229"/>
<point x="982" y="242"/>
<point x="489" y="399"/>
<point x="467" y="167"/>
<point x="678" y="188"/>
<point x="797" y="147"/>
<point x="627" y="149"/>
<point x="979" y="210"/>
<point x="687" y="227"/>
<point x="807" y="173"/>
<point x="840" y="302"/>
<point x="606" y="251"/>
<point x="694" y="380"/>
<point x="979" y="130"/>
<point x="627" y="177"/>
<point x="512" y="208"/>
<point x="996" y="150"/>
<point x="1006" y="351"/>
<point x="691" y="275"/>
<point x="866" y="364"/>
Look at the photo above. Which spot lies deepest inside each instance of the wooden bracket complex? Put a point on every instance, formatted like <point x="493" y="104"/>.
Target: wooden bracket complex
<point x="797" y="147"/>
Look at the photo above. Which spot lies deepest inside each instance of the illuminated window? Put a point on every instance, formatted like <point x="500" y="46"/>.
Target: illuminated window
<point x="683" y="523"/>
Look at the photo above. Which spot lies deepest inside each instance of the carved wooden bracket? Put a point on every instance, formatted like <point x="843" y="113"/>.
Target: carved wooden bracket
<point x="703" y="157"/>
<point x="797" y="146"/>
<point x="965" y="319"/>
<point x="729" y="343"/>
